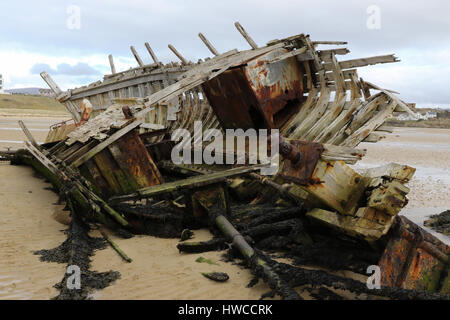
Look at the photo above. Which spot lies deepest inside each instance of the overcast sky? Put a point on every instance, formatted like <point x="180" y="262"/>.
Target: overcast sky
<point x="47" y="35"/>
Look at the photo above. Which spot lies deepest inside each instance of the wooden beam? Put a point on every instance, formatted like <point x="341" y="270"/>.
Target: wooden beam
<point x="208" y="44"/>
<point x="356" y="63"/>
<point x="52" y="84"/>
<point x="111" y="63"/>
<point x="196" y="181"/>
<point x="289" y="54"/>
<point x="152" y="54"/>
<point x="246" y="35"/>
<point x="330" y="42"/>
<point x="136" y="56"/>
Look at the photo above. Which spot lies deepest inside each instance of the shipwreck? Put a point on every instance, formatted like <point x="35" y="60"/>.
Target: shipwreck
<point x="112" y="165"/>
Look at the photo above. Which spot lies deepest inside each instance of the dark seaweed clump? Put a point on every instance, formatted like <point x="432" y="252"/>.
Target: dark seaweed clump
<point x="77" y="250"/>
<point x="440" y="222"/>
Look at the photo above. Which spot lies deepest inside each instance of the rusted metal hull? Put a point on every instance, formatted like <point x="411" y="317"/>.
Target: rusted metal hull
<point x="414" y="259"/>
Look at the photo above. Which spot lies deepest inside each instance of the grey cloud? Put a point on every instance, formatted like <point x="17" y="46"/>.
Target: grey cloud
<point x="80" y="69"/>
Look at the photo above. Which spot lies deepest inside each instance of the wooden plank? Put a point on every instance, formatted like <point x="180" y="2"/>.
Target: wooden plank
<point x="115" y="136"/>
<point x="108" y="169"/>
<point x="289" y="54"/>
<point x="356" y="63"/>
<point x="400" y="172"/>
<point x="193" y="182"/>
<point x="326" y="54"/>
<point x="359" y="135"/>
<point x="246" y="35"/>
<point x="338" y="186"/>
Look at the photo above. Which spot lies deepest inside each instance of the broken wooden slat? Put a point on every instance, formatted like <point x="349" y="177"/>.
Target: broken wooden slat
<point x="28" y="134"/>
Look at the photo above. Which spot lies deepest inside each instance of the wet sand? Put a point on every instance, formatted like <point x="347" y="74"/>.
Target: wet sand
<point x="29" y="222"/>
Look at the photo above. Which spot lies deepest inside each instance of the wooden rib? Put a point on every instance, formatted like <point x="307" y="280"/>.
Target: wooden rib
<point x="395" y="98"/>
<point x="365" y="113"/>
<point x="175" y="51"/>
<point x="136" y="56"/>
<point x="245" y="35"/>
<point x="338" y="123"/>
<point x="360" y="134"/>
<point x="111" y="63"/>
<point x="152" y="54"/>
<point x="208" y="44"/>
<point x="338" y="77"/>
<point x="326" y="119"/>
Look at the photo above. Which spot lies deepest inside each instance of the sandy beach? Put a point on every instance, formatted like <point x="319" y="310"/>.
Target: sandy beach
<point x="30" y="220"/>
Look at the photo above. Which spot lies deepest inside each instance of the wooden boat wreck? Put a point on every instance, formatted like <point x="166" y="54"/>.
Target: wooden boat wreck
<point x="112" y="164"/>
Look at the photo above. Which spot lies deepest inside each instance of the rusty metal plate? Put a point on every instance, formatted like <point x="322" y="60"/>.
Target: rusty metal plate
<point x="413" y="258"/>
<point x="261" y="94"/>
<point x="301" y="172"/>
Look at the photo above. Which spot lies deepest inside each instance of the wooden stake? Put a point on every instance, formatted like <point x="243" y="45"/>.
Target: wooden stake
<point x="183" y="60"/>
<point x="136" y="56"/>
<point x="246" y="35"/>
<point x="111" y="63"/>
<point x="208" y="44"/>
<point x="28" y="134"/>
<point x="116" y="247"/>
<point x="152" y="54"/>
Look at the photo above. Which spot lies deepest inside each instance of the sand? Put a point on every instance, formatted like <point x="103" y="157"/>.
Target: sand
<point x="31" y="221"/>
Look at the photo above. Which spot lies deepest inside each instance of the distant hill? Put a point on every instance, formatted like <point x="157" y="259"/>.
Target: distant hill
<point x="32" y="91"/>
<point x="17" y="103"/>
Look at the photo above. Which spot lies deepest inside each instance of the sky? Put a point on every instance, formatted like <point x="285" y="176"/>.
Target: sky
<point x="71" y="40"/>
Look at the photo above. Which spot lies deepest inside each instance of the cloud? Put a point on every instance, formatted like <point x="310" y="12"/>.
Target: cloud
<point x="407" y="28"/>
<point x="80" y="69"/>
